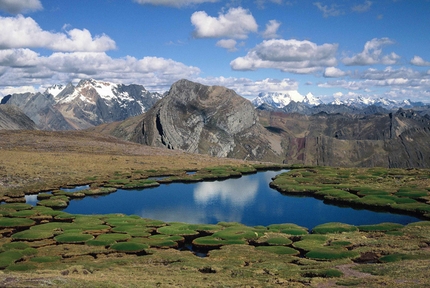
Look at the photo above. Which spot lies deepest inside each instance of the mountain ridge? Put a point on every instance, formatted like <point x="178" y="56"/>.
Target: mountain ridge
<point x="85" y="105"/>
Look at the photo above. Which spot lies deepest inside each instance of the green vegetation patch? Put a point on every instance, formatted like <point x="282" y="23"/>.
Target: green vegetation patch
<point x="400" y="257"/>
<point x="411" y="192"/>
<point x="15" y="206"/>
<point x="113" y="237"/>
<point x="21" y="267"/>
<point x="211" y="242"/>
<point x="237" y="232"/>
<point x="291" y="229"/>
<point x="6" y="222"/>
<point x="334" y="227"/>
<point x="54" y="203"/>
<point x="382" y="227"/>
<point x="9" y="257"/>
<point x="322" y="273"/>
<point x="330" y="253"/>
<point x="311" y="242"/>
<point x="32" y="235"/>
<point x="73" y="238"/>
<point x="180" y="229"/>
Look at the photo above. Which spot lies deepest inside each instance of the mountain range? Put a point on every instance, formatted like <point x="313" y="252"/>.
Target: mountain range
<point x="85" y="105"/>
<point x="215" y="120"/>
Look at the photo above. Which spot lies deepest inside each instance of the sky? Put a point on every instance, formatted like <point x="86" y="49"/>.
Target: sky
<point x="333" y="49"/>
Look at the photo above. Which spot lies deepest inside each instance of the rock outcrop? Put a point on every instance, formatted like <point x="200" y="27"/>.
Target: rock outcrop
<point x="211" y="120"/>
<point x="12" y="118"/>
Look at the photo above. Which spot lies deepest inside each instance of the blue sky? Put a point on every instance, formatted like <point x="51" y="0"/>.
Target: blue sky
<point x="332" y="49"/>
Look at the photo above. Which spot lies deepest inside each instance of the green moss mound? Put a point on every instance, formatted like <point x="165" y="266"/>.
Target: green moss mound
<point x="237" y="233"/>
<point x="400" y="257"/>
<point x="73" y="238"/>
<point x="9" y="257"/>
<point x="211" y="242"/>
<point x="54" y="203"/>
<point x="382" y="227"/>
<point x="334" y="227"/>
<point x="22" y="267"/>
<point x="180" y="229"/>
<point x="32" y="235"/>
<point x="288" y="228"/>
<point x="113" y="237"/>
<point x="323" y="273"/>
<point x="329" y="253"/>
<point x="6" y="222"/>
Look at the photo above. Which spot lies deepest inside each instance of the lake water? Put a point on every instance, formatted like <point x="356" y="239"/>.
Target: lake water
<point x="248" y="200"/>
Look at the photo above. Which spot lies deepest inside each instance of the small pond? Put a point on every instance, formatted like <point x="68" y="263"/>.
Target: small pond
<point x="248" y="200"/>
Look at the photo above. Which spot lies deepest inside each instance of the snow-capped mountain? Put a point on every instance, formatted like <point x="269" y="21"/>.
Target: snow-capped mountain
<point x="282" y="99"/>
<point x="89" y="103"/>
<point x="360" y="102"/>
<point x="288" y="101"/>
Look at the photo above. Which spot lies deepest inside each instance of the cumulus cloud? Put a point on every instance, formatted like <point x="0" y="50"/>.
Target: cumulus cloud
<point x="362" y="7"/>
<point x="372" y="54"/>
<point x="389" y="78"/>
<point x="237" y="23"/>
<point x="333" y="72"/>
<point x="288" y="56"/>
<point x="328" y="11"/>
<point x="24" y="32"/>
<point x="271" y="29"/>
<point x="173" y="3"/>
<point x="229" y="44"/>
<point x="418" y="61"/>
<point x="21" y="6"/>
<point x="26" y="67"/>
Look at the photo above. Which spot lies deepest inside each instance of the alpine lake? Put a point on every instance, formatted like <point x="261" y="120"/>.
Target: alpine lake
<point x="248" y="200"/>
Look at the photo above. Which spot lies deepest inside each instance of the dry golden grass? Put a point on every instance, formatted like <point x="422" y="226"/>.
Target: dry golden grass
<point x="32" y="161"/>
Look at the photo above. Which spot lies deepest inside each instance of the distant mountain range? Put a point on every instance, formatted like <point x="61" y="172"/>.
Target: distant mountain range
<point x="294" y="102"/>
<point x="85" y="105"/>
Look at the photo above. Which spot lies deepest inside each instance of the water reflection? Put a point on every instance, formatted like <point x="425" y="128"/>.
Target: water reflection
<point x="31" y="199"/>
<point x="236" y="192"/>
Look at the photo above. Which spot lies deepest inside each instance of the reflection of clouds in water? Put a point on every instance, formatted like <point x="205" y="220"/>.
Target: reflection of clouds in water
<point x="238" y="192"/>
<point x="31" y="199"/>
<point x="175" y="214"/>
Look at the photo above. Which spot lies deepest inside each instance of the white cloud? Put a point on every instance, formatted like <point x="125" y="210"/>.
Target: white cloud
<point x="26" y="67"/>
<point x="418" y="61"/>
<point x="333" y="72"/>
<point x="271" y="29"/>
<point x="362" y="7"/>
<point x="333" y="10"/>
<point x="20" y="6"/>
<point x="372" y="54"/>
<point x="21" y="32"/>
<point x="11" y="90"/>
<point x="173" y="3"/>
<point x="237" y="23"/>
<point x="288" y="56"/>
<point x="229" y="44"/>
<point x="251" y="88"/>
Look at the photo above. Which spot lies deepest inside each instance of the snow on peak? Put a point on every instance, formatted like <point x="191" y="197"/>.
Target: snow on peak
<point x="54" y="90"/>
<point x="282" y="99"/>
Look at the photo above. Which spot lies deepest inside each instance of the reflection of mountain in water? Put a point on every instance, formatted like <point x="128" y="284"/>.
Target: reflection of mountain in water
<point x="238" y="192"/>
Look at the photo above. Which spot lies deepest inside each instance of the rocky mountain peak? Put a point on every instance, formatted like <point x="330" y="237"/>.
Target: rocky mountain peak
<point x="198" y="119"/>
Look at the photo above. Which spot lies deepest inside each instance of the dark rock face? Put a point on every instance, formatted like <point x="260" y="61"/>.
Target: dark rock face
<point x="212" y="120"/>
<point x="397" y="139"/>
<point x="11" y="118"/>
